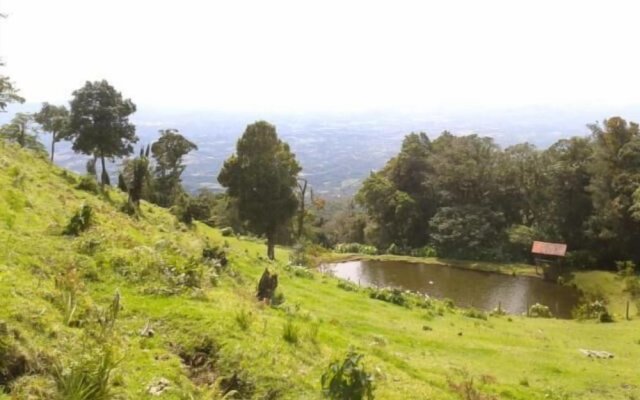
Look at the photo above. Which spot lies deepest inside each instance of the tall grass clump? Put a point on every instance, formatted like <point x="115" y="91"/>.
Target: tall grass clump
<point x="291" y="332"/>
<point x="88" y="379"/>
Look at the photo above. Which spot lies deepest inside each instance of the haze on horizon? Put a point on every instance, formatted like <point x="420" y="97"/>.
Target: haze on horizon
<point x="292" y="56"/>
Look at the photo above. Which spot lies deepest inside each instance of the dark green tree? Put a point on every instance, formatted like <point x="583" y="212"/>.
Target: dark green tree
<point x="261" y="175"/>
<point x="23" y="131"/>
<point x="99" y="123"/>
<point x="55" y="120"/>
<point x="168" y="152"/>
<point x="8" y="92"/>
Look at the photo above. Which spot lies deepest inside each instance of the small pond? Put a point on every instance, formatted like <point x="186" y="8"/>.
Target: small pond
<point x="467" y="288"/>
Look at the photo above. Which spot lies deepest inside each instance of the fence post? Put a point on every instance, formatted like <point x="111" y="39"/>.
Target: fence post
<point x="627" y="310"/>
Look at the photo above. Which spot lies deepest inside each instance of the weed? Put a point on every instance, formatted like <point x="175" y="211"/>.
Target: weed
<point x="80" y="221"/>
<point x="291" y="332"/>
<point x="244" y="319"/>
<point x="347" y="379"/>
<point x="539" y="311"/>
<point x="348" y="286"/>
<point x="466" y="389"/>
<point x="88" y="379"/>
<point x="473" y="313"/>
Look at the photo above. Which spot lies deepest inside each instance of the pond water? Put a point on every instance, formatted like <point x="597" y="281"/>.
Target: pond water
<point x="467" y="288"/>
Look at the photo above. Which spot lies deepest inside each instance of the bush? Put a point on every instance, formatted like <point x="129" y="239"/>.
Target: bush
<point x="632" y="286"/>
<point x="394" y="296"/>
<point x="88" y="184"/>
<point x="355" y="248"/>
<point x="626" y="268"/>
<point x="473" y="313"/>
<point x="80" y="221"/>
<point x="348" y="286"/>
<point x="539" y="311"/>
<point x="299" y="255"/>
<point x="277" y="298"/>
<point x="228" y="231"/>
<point x="580" y="259"/>
<point x="590" y="310"/>
<point x="426" y="251"/>
<point x="347" y="379"/>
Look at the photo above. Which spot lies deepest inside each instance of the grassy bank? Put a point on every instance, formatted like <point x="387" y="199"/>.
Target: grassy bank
<point x="210" y="332"/>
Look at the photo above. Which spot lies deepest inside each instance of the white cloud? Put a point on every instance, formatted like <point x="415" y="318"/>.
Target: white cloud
<point x="326" y="55"/>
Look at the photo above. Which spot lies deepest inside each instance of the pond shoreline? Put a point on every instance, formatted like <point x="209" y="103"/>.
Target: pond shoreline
<point x="513" y="269"/>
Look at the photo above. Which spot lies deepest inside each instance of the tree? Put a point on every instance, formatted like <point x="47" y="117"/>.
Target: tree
<point x="22" y="130"/>
<point x="615" y="178"/>
<point x="53" y="119"/>
<point x="302" y="187"/>
<point x="168" y="153"/>
<point x="261" y="175"/>
<point x="99" y="123"/>
<point x="8" y="92"/>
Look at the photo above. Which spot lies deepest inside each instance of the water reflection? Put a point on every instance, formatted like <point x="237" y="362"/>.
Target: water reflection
<point x="466" y="288"/>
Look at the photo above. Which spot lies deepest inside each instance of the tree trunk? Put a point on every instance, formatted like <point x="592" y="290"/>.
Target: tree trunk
<point x="105" y="176"/>
<point x="53" y="145"/>
<point x="303" y="190"/>
<point x="271" y="243"/>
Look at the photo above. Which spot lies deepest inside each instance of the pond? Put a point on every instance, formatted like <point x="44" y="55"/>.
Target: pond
<point x="467" y="288"/>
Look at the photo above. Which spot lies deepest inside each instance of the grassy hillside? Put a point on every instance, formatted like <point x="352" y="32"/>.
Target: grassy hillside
<point x="209" y="331"/>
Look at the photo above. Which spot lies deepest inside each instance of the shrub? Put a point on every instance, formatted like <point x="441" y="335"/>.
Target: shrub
<point x="299" y="255"/>
<point x="426" y="251"/>
<point x="581" y="259"/>
<point x="590" y="310"/>
<point x="626" y="268"/>
<point x="473" y="313"/>
<point x="355" y="248"/>
<point x="348" y="286"/>
<point x="88" y="184"/>
<point x="347" y="379"/>
<point x="80" y="221"/>
<point x="291" y="332"/>
<point x="277" y="298"/>
<point x="632" y="285"/>
<point x="395" y="296"/>
<point x="539" y="311"/>
<point x="227" y="231"/>
<point x="300" y="272"/>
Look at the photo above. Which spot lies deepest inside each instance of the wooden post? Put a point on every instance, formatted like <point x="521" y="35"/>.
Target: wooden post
<point x="627" y="310"/>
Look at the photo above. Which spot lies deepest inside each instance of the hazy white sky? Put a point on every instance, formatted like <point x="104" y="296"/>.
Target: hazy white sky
<point x="327" y="55"/>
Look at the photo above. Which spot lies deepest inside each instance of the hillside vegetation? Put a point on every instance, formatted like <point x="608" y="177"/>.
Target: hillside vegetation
<point x="139" y="299"/>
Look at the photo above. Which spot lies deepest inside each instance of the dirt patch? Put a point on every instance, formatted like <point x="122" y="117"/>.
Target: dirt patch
<point x="200" y="360"/>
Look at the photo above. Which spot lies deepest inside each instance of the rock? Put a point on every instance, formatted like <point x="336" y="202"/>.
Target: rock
<point x="596" y="353"/>
<point x="158" y="387"/>
<point x="147" y="331"/>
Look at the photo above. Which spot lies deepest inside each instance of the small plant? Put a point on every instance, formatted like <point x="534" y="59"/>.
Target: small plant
<point x="244" y="319"/>
<point x="355" y="248"/>
<point x="80" y="221"/>
<point x="277" y="299"/>
<point x="107" y="318"/>
<point x="626" y="268"/>
<point x="467" y="389"/>
<point x="291" y="332"/>
<point x="87" y="380"/>
<point x="590" y="310"/>
<point x="473" y="313"/>
<point x="347" y="379"/>
<point x="348" y="286"/>
<point x="539" y="311"/>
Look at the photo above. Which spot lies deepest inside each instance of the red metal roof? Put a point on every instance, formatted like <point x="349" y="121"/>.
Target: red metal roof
<point x="549" y="249"/>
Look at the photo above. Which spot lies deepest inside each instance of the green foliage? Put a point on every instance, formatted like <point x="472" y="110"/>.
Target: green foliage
<point x="626" y="268"/>
<point x="22" y="130"/>
<point x="347" y="379"/>
<point x="8" y="92"/>
<point x="355" y="248"/>
<point x="262" y="176"/>
<point x="88" y="184"/>
<point x="55" y="120"/>
<point x="80" y="221"/>
<point x="539" y="311"/>
<point x="99" y="123"/>
<point x="168" y="152"/>
<point x="394" y="296"/>
<point x="227" y="231"/>
<point x="348" y="286"/>
<point x="88" y="378"/>
<point x="474" y="313"/>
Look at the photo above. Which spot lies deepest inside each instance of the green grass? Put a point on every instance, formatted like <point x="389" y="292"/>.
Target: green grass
<point x="146" y="260"/>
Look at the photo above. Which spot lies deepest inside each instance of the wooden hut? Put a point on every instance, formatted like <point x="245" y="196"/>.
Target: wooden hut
<point x="548" y="255"/>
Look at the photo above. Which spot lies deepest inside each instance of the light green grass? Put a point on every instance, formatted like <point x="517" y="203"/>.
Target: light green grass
<point x="519" y="358"/>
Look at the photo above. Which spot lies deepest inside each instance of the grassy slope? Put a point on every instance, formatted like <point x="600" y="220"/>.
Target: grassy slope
<point x="519" y="358"/>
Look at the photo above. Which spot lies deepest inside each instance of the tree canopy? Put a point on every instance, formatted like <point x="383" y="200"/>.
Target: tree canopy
<point x="99" y="123"/>
<point x="261" y="175"/>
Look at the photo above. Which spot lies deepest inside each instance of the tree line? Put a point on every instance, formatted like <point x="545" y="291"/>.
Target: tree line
<point x="459" y="196"/>
<point x="468" y="198"/>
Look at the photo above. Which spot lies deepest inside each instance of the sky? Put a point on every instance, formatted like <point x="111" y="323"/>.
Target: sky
<point x="302" y="56"/>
